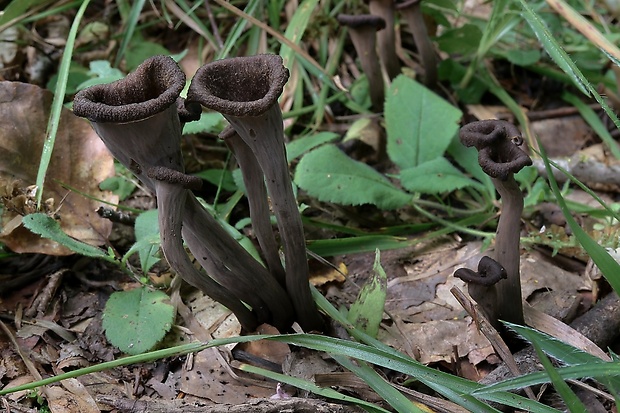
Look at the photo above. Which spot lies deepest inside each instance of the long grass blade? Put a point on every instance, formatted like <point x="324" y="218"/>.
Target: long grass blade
<point x="608" y="266"/>
<point x="130" y="28"/>
<point x="563" y="60"/>
<point x="57" y="103"/>
<point x="311" y="387"/>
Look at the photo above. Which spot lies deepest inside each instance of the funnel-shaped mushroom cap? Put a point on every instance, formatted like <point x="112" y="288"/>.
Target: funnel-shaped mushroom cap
<point x="498" y="144"/>
<point x="136" y="117"/>
<point x="240" y="86"/>
<point x="150" y="89"/>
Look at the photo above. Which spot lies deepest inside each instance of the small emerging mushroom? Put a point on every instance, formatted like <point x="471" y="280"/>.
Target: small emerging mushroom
<point x="363" y="30"/>
<point x="481" y="285"/>
<point x="245" y="90"/>
<point x="500" y="157"/>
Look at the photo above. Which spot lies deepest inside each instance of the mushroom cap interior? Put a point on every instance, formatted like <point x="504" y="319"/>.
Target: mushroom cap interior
<point x="150" y="89"/>
<point x="239" y="86"/>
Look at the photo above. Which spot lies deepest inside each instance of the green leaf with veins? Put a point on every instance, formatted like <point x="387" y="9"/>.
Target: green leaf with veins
<point x="136" y="320"/>
<point x="329" y="175"/>
<point x="420" y="124"/>
<point x="434" y="177"/>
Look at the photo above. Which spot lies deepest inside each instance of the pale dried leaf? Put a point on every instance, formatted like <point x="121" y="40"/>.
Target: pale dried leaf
<point x="79" y="160"/>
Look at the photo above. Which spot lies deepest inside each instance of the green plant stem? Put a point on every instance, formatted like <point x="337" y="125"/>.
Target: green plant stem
<point x="448" y="208"/>
<point x="452" y="225"/>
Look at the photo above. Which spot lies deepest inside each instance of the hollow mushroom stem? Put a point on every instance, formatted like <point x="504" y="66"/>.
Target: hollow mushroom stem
<point x="245" y="90"/>
<point x="170" y="204"/>
<point x="363" y="31"/>
<point x="236" y="269"/>
<point x="412" y="12"/>
<point x="254" y="182"/>
<point x="500" y="157"/>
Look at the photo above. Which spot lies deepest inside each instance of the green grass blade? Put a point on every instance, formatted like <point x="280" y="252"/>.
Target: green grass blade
<point x="369" y="243"/>
<point x="296" y="29"/>
<point x="563" y="60"/>
<point x="57" y="103"/>
<point x="598" y="371"/>
<point x="233" y="36"/>
<point x="311" y="387"/>
<point x="129" y="29"/>
<point x="195" y="21"/>
<point x="124" y="361"/>
<point x="594" y="121"/>
<point x="388" y="393"/>
<point x="608" y="266"/>
<point x="571" y="400"/>
<point x="17" y="8"/>
<point x="454" y="388"/>
<point x="563" y="352"/>
<point x="588" y="210"/>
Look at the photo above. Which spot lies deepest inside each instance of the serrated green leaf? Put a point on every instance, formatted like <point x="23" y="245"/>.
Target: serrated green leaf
<point x="463" y="40"/>
<point x="433" y="177"/>
<point x="299" y="146"/>
<point x="420" y="124"/>
<point x="208" y="122"/>
<point x="366" y="311"/>
<point x="47" y="227"/>
<point x="147" y="230"/>
<point x="329" y="175"/>
<point x="219" y="176"/>
<point x="136" y="320"/>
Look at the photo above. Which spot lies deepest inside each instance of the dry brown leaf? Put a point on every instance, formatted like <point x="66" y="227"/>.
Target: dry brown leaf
<point x="79" y="160"/>
<point x="208" y="379"/>
<point x="75" y="398"/>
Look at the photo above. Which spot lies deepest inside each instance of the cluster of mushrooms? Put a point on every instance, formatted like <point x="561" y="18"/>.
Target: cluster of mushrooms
<point x="140" y="119"/>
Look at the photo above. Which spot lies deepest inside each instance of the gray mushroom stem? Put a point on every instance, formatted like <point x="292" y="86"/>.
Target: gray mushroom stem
<point x="412" y="12"/>
<point x="500" y="157"/>
<point x="245" y="90"/>
<point x="170" y="204"/>
<point x="254" y="182"/>
<point x="386" y="38"/>
<point x="363" y="32"/>
<point x="236" y="269"/>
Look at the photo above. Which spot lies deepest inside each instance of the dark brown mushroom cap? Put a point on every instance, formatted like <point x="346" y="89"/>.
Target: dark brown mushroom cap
<point x="489" y="273"/>
<point x="188" y="112"/>
<point x="498" y="144"/>
<point x="239" y="86"/>
<point x="150" y="89"/>
<point x="362" y="21"/>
